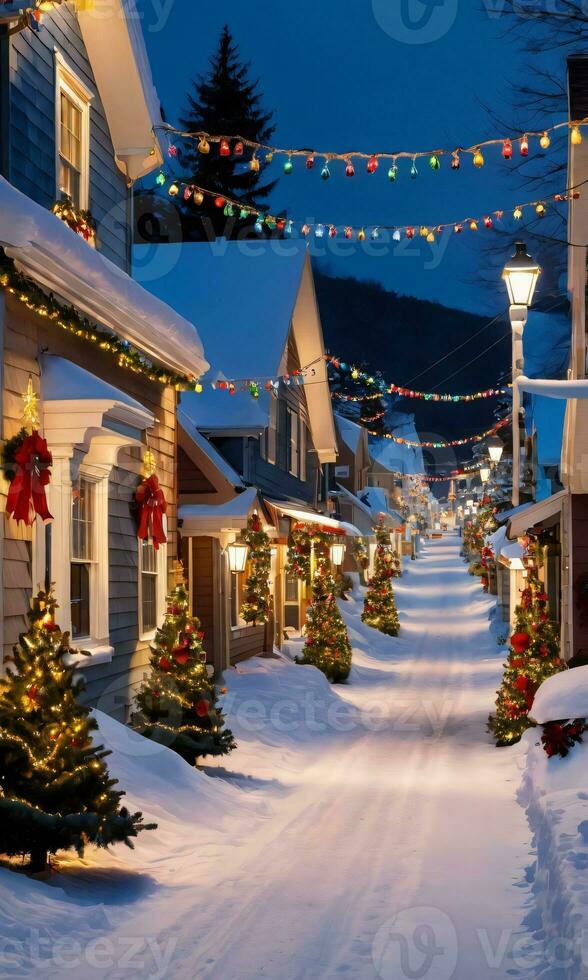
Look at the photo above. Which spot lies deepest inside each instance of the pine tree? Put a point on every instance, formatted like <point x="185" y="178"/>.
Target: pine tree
<point x="257" y="603"/>
<point x="55" y="790"/>
<point x="225" y="102"/>
<point x="327" y="645"/>
<point x="533" y="657"/>
<point x="177" y="703"/>
<point x="379" y="608"/>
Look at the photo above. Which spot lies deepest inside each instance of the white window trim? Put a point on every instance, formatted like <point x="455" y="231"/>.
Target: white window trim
<point x="302" y="449"/>
<point x="160" y="586"/>
<point x="67" y="81"/>
<point x="294" y="443"/>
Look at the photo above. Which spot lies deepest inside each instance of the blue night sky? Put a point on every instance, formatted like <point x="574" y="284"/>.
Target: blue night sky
<point x="350" y="74"/>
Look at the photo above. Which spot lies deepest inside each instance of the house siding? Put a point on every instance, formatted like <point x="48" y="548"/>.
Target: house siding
<point x="25" y="335"/>
<point x="32" y="151"/>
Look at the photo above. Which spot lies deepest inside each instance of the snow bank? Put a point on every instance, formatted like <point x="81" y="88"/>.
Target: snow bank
<point x="562" y="696"/>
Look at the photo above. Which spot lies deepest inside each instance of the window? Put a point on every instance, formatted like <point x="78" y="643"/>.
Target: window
<point x="148" y="571"/>
<point x="293" y="452"/>
<point x="302" y="450"/>
<point x="236" y="620"/>
<point x="72" y="101"/>
<point x="82" y="555"/>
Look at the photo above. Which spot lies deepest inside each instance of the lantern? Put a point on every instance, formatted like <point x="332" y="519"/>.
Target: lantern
<point x="520" y="275"/>
<point x="337" y="553"/>
<point x="237" y="555"/>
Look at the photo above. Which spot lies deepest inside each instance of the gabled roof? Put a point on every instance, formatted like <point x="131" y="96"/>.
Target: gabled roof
<point x="397" y="457"/>
<point x="111" y="30"/>
<point x="350" y="432"/>
<point x="56" y="258"/>
<point x="247" y="296"/>
<point x="219" y="462"/>
<point x="368" y="505"/>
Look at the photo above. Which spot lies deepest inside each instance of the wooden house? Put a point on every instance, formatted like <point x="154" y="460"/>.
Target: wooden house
<point x="104" y="356"/>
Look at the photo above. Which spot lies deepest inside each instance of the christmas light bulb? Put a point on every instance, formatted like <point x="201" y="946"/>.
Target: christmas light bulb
<point x="375" y="234"/>
<point x="310" y="162"/>
<point x="393" y="172"/>
<point x="219" y="202"/>
<point x="288" y="228"/>
<point x="187" y="193"/>
<point x="203" y="145"/>
<point x="473" y="225"/>
<point x="269" y="157"/>
<point x="319" y="231"/>
<point x="332" y="232"/>
<point x="540" y="210"/>
<point x="455" y="161"/>
<point x="361" y="235"/>
<point x="288" y="166"/>
<point x="434" y="162"/>
<point x="174" y="189"/>
<point x="349" y="233"/>
<point x="349" y="169"/>
<point x="198" y="198"/>
<point x="224" y="148"/>
<point x="545" y="142"/>
<point x="457" y="229"/>
<point x="507" y="149"/>
<point x="238" y="149"/>
<point x="576" y="136"/>
<point x="517" y="213"/>
<point x="478" y="158"/>
<point x="409" y="232"/>
<point x="524" y="147"/>
<point x="254" y="164"/>
<point x="413" y="170"/>
<point x="243" y="213"/>
<point x="198" y="388"/>
<point x="372" y="165"/>
<point x="305" y="230"/>
<point x="228" y="211"/>
<point x="160" y="179"/>
<point x="488" y="223"/>
<point x="431" y="237"/>
<point x="325" y="172"/>
<point x="259" y="225"/>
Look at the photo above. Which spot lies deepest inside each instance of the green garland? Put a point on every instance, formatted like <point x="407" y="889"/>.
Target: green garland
<point x="299" y="551"/>
<point x="257" y="604"/>
<point x="68" y="318"/>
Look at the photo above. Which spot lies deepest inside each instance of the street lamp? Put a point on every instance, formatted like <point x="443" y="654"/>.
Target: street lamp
<point x="484" y="474"/>
<point x="495" y="448"/>
<point x="520" y="275"/>
<point x="237" y="554"/>
<point x="337" y="553"/>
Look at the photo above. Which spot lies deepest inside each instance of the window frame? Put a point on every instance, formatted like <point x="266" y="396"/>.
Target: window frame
<point x="89" y="561"/>
<point x="160" y="576"/>
<point x="293" y="435"/>
<point x="68" y="83"/>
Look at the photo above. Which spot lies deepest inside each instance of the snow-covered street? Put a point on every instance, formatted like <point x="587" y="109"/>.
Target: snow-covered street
<point x="365" y="830"/>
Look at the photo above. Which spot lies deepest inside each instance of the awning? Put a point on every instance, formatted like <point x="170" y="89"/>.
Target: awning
<point x="298" y="512"/>
<point x="59" y="260"/>
<point x="533" y="514"/>
<point x="214" y="518"/>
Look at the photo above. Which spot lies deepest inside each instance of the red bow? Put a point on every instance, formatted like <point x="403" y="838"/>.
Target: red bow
<point x="26" y="494"/>
<point x="153" y="506"/>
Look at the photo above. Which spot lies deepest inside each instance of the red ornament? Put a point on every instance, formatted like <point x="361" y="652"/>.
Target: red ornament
<point x="164" y="664"/>
<point x="26" y="493"/>
<point x="350" y="170"/>
<point x="224" y="149"/>
<point x="181" y="655"/>
<point x="372" y="165"/>
<point x="238" y="149"/>
<point x="202" y="708"/>
<point x="520" y="642"/>
<point x="507" y="150"/>
<point x="153" y="506"/>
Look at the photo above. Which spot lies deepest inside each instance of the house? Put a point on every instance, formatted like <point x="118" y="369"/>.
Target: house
<point x="265" y="410"/>
<point x="102" y="356"/>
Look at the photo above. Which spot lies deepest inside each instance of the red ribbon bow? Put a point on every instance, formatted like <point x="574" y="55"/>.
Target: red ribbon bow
<point x="153" y="506"/>
<point x="26" y="494"/>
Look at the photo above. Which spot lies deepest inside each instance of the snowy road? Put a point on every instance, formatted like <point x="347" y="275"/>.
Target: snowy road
<point x="387" y="844"/>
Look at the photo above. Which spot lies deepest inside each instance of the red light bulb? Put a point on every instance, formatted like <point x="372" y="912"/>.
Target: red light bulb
<point x="225" y="149"/>
<point x="350" y="169"/>
<point x="507" y="150"/>
<point x="372" y="165"/>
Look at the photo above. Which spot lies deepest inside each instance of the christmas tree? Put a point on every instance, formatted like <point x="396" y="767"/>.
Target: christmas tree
<point x="225" y="103"/>
<point x="55" y="790"/>
<point x="327" y="644"/>
<point x="533" y="657"/>
<point x="177" y="702"/>
<point x="379" y="608"/>
<point x="257" y="603"/>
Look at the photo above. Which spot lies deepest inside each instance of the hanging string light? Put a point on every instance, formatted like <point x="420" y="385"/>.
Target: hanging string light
<point x="442" y="444"/>
<point x="434" y="156"/>
<point x="385" y="388"/>
<point x="246" y="212"/>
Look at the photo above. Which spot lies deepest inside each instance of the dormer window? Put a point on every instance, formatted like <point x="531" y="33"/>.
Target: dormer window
<point x="72" y="112"/>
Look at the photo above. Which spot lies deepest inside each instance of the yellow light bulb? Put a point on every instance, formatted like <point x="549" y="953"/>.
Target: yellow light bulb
<point x="517" y="213"/>
<point x="478" y="159"/>
<point x="576" y="136"/>
<point x="545" y="142"/>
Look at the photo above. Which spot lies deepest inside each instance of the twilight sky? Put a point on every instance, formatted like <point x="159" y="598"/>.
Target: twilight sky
<point x="369" y="75"/>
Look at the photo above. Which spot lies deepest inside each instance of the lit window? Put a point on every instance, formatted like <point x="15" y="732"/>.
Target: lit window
<point x="72" y="137"/>
<point x="82" y="555"/>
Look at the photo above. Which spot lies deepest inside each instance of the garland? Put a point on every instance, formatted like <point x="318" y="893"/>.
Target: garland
<point x="257" y="604"/>
<point x="393" y="389"/>
<point x="442" y="445"/>
<point x="80" y="221"/>
<point x="232" y="208"/>
<point x="235" y="146"/>
<point x="299" y="551"/>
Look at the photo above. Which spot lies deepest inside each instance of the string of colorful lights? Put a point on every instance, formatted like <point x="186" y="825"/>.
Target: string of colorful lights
<point x="464" y="441"/>
<point x="233" y="208"/>
<point x="235" y="147"/>
<point x="385" y="388"/>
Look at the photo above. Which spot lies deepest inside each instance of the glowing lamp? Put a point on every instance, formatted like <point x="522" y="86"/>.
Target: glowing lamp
<point x="237" y="555"/>
<point x="484" y="474"/>
<point x="337" y="552"/>
<point x="507" y="149"/>
<point x="576" y="136"/>
<point x="495" y="448"/>
<point x="224" y="149"/>
<point x="520" y="275"/>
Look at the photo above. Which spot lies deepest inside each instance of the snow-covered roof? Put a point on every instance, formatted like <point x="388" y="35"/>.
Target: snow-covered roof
<point x="209" y="450"/>
<point x="373" y="512"/>
<point x="299" y="512"/>
<point x="554" y="389"/>
<point x="60" y="260"/>
<point x="63" y="380"/>
<point x="394" y="456"/>
<point x="232" y="515"/>
<point x="531" y="514"/>
<point x="350" y="432"/>
<point x="113" y="37"/>
<point x="246" y="297"/>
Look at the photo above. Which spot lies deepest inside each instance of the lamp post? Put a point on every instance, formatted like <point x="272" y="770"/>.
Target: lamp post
<point x="495" y="449"/>
<point x="237" y="554"/>
<point x="520" y="275"/>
